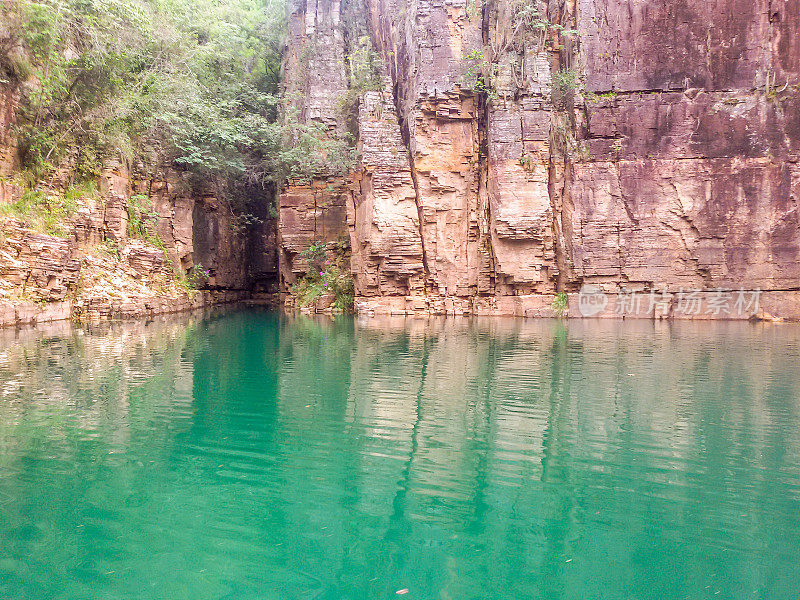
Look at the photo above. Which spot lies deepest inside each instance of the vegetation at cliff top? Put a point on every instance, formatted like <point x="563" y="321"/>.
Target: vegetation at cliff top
<point x="193" y="83"/>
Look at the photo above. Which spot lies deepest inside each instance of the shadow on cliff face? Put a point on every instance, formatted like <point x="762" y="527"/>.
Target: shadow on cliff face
<point x="238" y="251"/>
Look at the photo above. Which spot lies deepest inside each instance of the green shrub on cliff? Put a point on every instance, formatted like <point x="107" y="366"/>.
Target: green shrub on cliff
<point x="328" y="275"/>
<point x="560" y="305"/>
<point x="197" y="277"/>
<point x="479" y="75"/>
<point x="333" y="281"/>
<point x="43" y="212"/>
<point x="305" y="150"/>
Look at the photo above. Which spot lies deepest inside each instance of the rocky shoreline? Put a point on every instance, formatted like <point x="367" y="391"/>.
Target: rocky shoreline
<point x="104" y="309"/>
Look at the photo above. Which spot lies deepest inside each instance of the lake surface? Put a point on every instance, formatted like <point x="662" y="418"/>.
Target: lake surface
<point x="254" y="456"/>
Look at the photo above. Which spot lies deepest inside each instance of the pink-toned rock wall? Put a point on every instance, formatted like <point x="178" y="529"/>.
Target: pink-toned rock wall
<point x="312" y="212"/>
<point x="671" y="164"/>
<point x="694" y="145"/>
<point x="480" y="169"/>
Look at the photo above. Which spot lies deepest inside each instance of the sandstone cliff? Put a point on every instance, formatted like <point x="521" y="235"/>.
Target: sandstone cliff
<point x="509" y="155"/>
<point x="520" y="149"/>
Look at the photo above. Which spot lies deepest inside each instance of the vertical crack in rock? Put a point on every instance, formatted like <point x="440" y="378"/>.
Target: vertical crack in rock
<point x="487" y="280"/>
<point x="565" y="264"/>
<point x="557" y="167"/>
<point x="406" y="137"/>
<point x="562" y="136"/>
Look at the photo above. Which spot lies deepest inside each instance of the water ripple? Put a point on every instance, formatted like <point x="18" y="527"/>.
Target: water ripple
<point x="248" y="455"/>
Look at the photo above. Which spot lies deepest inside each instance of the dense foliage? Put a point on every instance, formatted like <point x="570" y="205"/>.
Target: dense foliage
<point x="197" y="80"/>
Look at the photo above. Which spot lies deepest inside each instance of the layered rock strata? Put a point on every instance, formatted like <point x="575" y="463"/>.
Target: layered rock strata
<point x="94" y="269"/>
<point x="629" y="147"/>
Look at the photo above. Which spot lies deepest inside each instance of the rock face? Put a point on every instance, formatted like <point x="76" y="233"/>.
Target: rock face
<point x="312" y="211"/>
<point x="694" y="163"/>
<point x="9" y="100"/>
<point x="385" y="215"/>
<point x="98" y="270"/>
<point x="628" y="146"/>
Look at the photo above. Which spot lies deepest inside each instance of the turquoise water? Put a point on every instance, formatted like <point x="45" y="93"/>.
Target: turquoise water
<point x="252" y="456"/>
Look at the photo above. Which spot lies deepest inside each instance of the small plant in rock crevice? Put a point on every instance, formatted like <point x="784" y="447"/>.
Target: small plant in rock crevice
<point x="560" y="305"/>
<point x="564" y="84"/>
<point x="616" y="148"/>
<point x="527" y="162"/>
<point x="197" y="277"/>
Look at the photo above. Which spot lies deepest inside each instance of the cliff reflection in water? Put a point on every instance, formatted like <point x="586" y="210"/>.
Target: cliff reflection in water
<point x="253" y="455"/>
